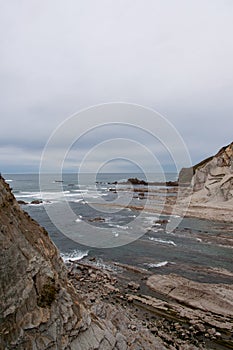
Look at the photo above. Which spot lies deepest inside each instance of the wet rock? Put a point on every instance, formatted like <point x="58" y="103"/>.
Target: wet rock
<point x="97" y="219"/>
<point x="135" y="181"/>
<point x="161" y="221"/>
<point x="113" y="190"/>
<point x="22" y="202"/>
<point x="37" y="201"/>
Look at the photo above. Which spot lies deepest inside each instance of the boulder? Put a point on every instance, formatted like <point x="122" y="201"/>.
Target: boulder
<point x="37" y="201"/>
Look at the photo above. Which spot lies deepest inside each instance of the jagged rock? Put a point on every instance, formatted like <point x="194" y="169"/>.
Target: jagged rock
<point x="135" y="181"/>
<point x="37" y="201"/>
<point x="22" y="202"/>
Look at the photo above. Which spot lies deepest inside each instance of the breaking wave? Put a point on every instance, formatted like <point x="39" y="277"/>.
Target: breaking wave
<point x="74" y="255"/>
<point x="160" y="264"/>
<point x="162" y="241"/>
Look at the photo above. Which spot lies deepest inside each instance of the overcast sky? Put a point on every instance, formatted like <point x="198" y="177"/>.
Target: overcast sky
<point x="57" y="57"/>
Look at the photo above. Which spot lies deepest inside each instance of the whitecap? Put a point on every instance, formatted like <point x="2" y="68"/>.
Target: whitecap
<point x="79" y="218"/>
<point x="42" y="195"/>
<point x="8" y="180"/>
<point x="160" y="264"/>
<point x="162" y="241"/>
<point x="74" y="255"/>
<point x="119" y="226"/>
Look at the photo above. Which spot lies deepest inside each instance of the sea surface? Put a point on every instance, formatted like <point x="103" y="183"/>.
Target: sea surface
<point x="190" y="250"/>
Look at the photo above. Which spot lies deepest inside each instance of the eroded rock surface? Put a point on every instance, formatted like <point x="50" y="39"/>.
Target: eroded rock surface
<point x="214" y="298"/>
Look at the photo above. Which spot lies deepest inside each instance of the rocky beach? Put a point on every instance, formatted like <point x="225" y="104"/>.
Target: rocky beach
<point x="181" y="313"/>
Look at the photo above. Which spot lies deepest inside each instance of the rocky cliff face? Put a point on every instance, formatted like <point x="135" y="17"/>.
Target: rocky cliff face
<point x="39" y="309"/>
<point x="215" y="176"/>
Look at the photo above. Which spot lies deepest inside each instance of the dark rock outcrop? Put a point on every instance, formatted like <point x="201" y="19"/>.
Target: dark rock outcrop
<point x="135" y="181"/>
<point x="22" y="202"/>
<point x="37" y="201"/>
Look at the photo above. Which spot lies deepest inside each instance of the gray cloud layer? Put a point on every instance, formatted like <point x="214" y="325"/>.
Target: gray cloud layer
<point x="58" y="57"/>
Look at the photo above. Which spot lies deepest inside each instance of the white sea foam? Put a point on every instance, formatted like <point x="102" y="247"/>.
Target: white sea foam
<point x="160" y="264"/>
<point x="119" y="226"/>
<point x="42" y="195"/>
<point x="35" y="205"/>
<point x="162" y="241"/>
<point x="150" y="229"/>
<point x="80" y="191"/>
<point x="74" y="255"/>
<point x="8" y="180"/>
<point x="79" y="218"/>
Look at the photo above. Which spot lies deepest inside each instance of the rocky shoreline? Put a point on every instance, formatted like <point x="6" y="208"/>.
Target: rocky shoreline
<point x="182" y="313"/>
<point x="175" y="201"/>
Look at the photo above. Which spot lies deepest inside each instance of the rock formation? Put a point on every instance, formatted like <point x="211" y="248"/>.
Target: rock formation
<point x="213" y="176"/>
<point x="40" y="309"/>
<point x="216" y="175"/>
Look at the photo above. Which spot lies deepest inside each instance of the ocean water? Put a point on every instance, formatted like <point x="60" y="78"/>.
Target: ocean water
<point x="194" y="249"/>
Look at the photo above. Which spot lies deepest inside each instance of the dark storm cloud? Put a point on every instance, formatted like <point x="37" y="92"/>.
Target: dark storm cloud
<point x="58" y="57"/>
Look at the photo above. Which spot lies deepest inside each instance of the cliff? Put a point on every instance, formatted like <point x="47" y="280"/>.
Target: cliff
<point x="213" y="177"/>
<point x="39" y="309"/>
